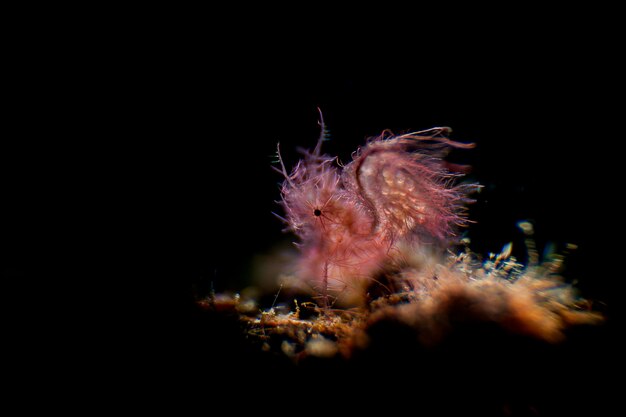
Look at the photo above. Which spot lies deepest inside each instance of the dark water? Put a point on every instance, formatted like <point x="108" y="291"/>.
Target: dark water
<point x="183" y="150"/>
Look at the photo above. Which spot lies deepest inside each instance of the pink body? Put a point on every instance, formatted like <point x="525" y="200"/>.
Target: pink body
<point x="396" y="190"/>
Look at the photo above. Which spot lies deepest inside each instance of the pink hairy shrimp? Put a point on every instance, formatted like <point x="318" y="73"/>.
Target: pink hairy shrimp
<point x="348" y="219"/>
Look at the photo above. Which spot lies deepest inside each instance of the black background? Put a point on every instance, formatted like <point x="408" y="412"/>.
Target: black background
<point x="160" y="151"/>
<point x="168" y="135"/>
<point x="144" y="157"/>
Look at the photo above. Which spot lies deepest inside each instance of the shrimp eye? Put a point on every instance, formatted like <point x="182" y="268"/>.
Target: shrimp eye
<point x="317" y="212"/>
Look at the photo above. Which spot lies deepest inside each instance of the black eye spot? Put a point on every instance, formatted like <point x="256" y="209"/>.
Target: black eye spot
<point x="317" y="212"/>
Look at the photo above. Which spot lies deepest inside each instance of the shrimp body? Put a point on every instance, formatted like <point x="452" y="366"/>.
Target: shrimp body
<point x="396" y="191"/>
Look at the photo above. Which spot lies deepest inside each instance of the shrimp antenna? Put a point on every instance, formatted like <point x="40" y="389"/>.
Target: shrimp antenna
<point x="323" y="134"/>
<point x="283" y="170"/>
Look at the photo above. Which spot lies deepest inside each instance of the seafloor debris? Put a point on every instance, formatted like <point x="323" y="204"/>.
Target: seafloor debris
<point x="434" y="297"/>
<point x="378" y="292"/>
